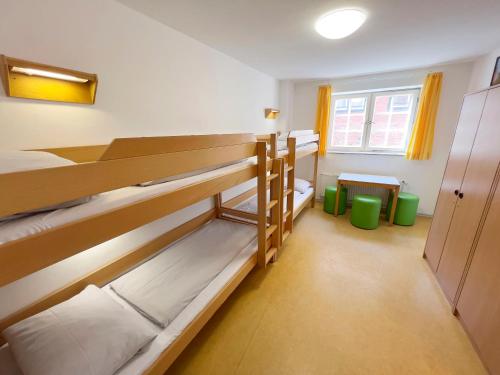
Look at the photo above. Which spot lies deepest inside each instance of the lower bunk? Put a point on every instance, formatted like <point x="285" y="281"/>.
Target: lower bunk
<point x="302" y="195"/>
<point x="172" y="295"/>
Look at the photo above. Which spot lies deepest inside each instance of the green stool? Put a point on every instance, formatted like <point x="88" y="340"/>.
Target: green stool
<point x="331" y="195"/>
<point x="406" y="209"/>
<point x="365" y="211"/>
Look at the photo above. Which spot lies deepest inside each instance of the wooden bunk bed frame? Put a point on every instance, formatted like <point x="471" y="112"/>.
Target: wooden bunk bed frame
<point x="123" y="163"/>
<point x="289" y="165"/>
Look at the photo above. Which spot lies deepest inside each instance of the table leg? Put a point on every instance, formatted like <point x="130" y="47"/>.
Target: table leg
<point x="337" y="198"/>
<point x="394" y="203"/>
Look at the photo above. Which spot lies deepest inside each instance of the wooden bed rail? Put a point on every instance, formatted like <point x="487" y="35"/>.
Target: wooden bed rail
<point x="28" y="190"/>
<point x="263" y="137"/>
<point x="122" y="148"/>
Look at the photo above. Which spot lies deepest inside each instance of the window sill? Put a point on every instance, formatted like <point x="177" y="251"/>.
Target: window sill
<point x="367" y="153"/>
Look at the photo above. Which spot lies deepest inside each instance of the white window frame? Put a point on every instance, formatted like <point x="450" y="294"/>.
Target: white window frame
<point x="370" y="97"/>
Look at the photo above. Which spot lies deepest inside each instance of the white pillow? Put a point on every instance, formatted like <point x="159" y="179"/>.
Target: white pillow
<point x="16" y="161"/>
<point x="302" y="186"/>
<point x="87" y="334"/>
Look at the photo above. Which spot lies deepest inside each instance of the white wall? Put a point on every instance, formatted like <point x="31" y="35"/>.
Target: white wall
<point x="423" y="177"/>
<point x="286" y="98"/>
<point x="483" y="70"/>
<point x="153" y="80"/>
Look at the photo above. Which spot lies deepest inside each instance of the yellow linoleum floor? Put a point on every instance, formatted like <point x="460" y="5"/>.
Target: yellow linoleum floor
<point x="340" y="300"/>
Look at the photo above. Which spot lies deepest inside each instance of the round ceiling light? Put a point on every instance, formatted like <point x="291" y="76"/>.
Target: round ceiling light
<point x="340" y="23"/>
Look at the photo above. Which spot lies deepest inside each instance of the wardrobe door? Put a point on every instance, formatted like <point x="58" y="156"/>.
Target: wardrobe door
<point x="476" y="187"/>
<point x="455" y="169"/>
<point x="479" y="302"/>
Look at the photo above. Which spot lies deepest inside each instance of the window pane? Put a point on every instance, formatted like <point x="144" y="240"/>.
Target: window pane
<point x="341" y="106"/>
<point x="349" y="118"/>
<point x="401" y="103"/>
<point x="358" y="105"/>
<point x="391" y="121"/>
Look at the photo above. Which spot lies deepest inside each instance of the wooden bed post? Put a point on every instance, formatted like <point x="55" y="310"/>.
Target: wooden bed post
<point x="315" y="178"/>
<point x="281" y="201"/>
<point x="276" y="211"/>
<point x="218" y="204"/>
<point x="289" y="192"/>
<point x="261" y="202"/>
<point x="273" y="141"/>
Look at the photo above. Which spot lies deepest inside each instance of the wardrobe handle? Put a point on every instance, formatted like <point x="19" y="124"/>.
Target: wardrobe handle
<point x="461" y="195"/>
<point x="456" y="192"/>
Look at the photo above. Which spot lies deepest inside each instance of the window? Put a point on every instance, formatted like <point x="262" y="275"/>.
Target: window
<point x="378" y="121"/>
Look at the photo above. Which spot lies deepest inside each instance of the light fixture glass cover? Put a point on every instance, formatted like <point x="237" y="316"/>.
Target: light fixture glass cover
<point x="44" y="73"/>
<point x="340" y="23"/>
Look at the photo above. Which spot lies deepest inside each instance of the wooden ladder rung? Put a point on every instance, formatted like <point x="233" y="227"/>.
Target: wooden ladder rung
<point x="270" y="230"/>
<point x="271" y="204"/>
<point x="270" y="254"/>
<point x="285" y="235"/>
<point x="286" y="214"/>
<point x="289" y="168"/>
<point x="287" y="191"/>
<point x="272" y="177"/>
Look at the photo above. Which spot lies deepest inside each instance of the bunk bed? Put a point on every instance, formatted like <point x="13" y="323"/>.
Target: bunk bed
<point x="201" y="167"/>
<point x="290" y="147"/>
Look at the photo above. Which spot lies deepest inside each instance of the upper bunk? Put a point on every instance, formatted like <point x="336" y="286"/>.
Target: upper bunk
<point x="202" y="166"/>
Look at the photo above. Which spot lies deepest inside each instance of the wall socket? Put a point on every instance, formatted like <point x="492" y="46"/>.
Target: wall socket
<point x="404" y="185"/>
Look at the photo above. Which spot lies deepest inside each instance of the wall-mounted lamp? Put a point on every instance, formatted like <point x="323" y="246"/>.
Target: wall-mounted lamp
<point x="271" y="114"/>
<point x="30" y="80"/>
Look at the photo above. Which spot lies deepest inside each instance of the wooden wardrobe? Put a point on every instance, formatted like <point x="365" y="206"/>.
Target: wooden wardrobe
<point x="463" y="246"/>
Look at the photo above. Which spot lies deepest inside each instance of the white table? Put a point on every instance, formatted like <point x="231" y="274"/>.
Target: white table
<point x="386" y="182"/>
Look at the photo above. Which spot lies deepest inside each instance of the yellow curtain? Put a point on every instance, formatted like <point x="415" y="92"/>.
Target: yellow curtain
<point x="323" y="116"/>
<point x="422" y="137"/>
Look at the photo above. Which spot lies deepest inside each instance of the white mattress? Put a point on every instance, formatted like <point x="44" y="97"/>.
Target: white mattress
<point x="250" y="205"/>
<point x="167" y="335"/>
<point x="300" y="198"/>
<point x="163" y="286"/>
<point x="19" y="228"/>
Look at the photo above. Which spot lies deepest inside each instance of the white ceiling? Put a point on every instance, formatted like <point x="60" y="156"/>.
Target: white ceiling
<point x="278" y="37"/>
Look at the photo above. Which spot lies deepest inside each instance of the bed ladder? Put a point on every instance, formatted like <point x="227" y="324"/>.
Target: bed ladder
<point x="288" y="193"/>
<point x="268" y="230"/>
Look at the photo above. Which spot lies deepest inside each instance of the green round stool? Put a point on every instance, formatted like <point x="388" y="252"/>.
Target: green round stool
<point x="365" y="211"/>
<point x="331" y="195"/>
<point x="406" y="209"/>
